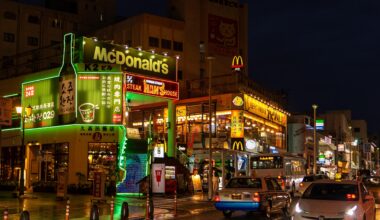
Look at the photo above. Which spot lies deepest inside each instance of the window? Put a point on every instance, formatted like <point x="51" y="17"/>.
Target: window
<point x="54" y="42"/>
<point x="180" y="75"/>
<point x="244" y="183"/>
<point x="33" y="19"/>
<point x="56" y="23"/>
<point x="167" y="44"/>
<point x="32" y="41"/>
<point x="357" y="130"/>
<point x="332" y="191"/>
<point x="9" y="37"/>
<point x="177" y="46"/>
<point x="154" y="42"/>
<point x="7" y="61"/>
<point x="10" y="15"/>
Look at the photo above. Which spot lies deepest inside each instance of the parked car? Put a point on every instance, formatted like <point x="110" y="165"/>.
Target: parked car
<point x="329" y="199"/>
<point x="307" y="180"/>
<point x="373" y="185"/>
<point x="261" y="194"/>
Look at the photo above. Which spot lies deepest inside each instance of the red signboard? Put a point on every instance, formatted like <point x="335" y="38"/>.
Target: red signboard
<point x="150" y="86"/>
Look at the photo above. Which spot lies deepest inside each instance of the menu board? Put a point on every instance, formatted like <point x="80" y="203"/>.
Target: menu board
<point x="170" y="172"/>
<point x="100" y="98"/>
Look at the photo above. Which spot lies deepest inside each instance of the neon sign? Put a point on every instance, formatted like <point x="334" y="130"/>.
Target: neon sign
<point x="154" y="87"/>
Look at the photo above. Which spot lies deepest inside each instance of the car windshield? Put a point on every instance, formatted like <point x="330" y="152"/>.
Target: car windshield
<point x="372" y="181"/>
<point x="331" y="191"/>
<point x="244" y="183"/>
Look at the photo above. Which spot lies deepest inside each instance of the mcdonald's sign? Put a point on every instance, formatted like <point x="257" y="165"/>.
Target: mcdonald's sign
<point x="237" y="144"/>
<point x="237" y="63"/>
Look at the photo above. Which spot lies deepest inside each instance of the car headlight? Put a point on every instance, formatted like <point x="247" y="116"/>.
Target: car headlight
<point x="351" y="211"/>
<point x="298" y="209"/>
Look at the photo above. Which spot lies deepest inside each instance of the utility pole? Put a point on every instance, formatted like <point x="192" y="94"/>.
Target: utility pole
<point x="315" y="141"/>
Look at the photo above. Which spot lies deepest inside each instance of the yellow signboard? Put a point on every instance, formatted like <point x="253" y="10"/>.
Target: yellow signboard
<point x="237" y="124"/>
<point x="263" y="110"/>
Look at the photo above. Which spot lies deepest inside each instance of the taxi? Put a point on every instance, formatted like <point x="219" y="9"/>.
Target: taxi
<point x="260" y="194"/>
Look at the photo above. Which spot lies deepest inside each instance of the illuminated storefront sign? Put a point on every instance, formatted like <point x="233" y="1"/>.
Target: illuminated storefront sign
<point x="319" y="124"/>
<point x="237" y="124"/>
<point x="100" y="98"/>
<point x="237" y="63"/>
<point x="264" y="110"/>
<point x="265" y="158"/>
<point x="154" y="87"/>
<point x="238" y="101"/>
<point x="42" y="96"/>
<point x="132" y="60"/>
<point x="237" y="144"/>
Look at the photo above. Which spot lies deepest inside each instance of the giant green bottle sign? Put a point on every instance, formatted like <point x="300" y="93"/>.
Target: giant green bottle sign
<point x="67" y="84"/>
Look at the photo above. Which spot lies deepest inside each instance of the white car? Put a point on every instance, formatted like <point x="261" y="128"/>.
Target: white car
<point x="340" y="200"/>
<point x="307" y="180"/>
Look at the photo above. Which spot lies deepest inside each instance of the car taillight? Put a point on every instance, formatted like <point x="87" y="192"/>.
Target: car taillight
<point x="350" y="196"/>
<point x="256" y="197"/>
<point x="217" y="197"/>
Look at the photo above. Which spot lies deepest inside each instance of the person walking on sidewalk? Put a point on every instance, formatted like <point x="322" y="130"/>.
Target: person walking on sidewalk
<point x="215" y="181"/>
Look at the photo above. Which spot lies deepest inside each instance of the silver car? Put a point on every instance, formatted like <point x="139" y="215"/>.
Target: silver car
<point x="340" y="200"/>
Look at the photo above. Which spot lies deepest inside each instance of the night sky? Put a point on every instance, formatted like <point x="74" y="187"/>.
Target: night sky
<point x="323" y="52"/>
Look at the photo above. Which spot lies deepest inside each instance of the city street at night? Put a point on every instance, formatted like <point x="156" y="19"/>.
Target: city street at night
<point x="189" y="109"/>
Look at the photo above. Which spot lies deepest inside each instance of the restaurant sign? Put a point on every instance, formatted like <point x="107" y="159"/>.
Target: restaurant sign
<point x="100" y="98"/>
<point x="264" y="110"/>
<point x="153" y="87"/>
<point x="131" y="60"/>
<point x="42" y="96"/>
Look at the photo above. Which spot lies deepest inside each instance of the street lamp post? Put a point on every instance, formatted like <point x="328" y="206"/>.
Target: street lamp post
<point x="315" y="140"/>
<point x="210" y="189"/>
<point x="24" y="114"/>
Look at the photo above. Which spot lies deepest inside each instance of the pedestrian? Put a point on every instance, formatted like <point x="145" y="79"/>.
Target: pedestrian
<point x="215" y="181"/>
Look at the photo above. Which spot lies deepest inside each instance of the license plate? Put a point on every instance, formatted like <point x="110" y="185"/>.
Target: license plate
<point x="234" y="196"/>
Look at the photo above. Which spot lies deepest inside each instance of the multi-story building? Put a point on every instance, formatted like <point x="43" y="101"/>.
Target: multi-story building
<point x="31" y="35"/>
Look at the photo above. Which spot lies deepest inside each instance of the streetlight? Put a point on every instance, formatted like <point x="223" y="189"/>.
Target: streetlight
<point x="350" y="148"/>
<point x="210" y="189"/>
<point x="27" y="113"/>
<point x="315" y="140"/>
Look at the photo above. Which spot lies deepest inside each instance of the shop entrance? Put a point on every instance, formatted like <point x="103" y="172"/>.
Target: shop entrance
<point x="225" y="164"/>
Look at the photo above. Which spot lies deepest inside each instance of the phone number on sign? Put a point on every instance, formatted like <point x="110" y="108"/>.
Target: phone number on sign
<point x="40" y="116"/>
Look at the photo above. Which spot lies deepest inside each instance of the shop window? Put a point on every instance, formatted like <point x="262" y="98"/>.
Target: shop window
<point x="10" y="15"/>
<point x="10" y="164"/>
<point x="102" y="157"/>
<point x="154" y="42"/>
<point x="32" y="41"/>
<point x="33" y="19"/>
<point x="177" y="46"/>
<point x="166" y="44"/>
<point x="9" y="37"/>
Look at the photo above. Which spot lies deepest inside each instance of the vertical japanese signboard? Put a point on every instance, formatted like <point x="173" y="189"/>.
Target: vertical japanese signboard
<point x="237" y="124"/>
<point x="100" y="98"/>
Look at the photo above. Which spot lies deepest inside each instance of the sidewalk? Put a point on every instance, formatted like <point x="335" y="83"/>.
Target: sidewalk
<point x="45" y="206"/>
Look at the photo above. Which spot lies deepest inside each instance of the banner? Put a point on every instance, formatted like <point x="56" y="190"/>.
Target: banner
<point x="222" y="35"/>
<point x="158" y="178"/>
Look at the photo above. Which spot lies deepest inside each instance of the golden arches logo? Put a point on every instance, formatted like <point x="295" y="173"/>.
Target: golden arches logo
<point x="237" y="62"/>
<point x="238" y="145"/>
